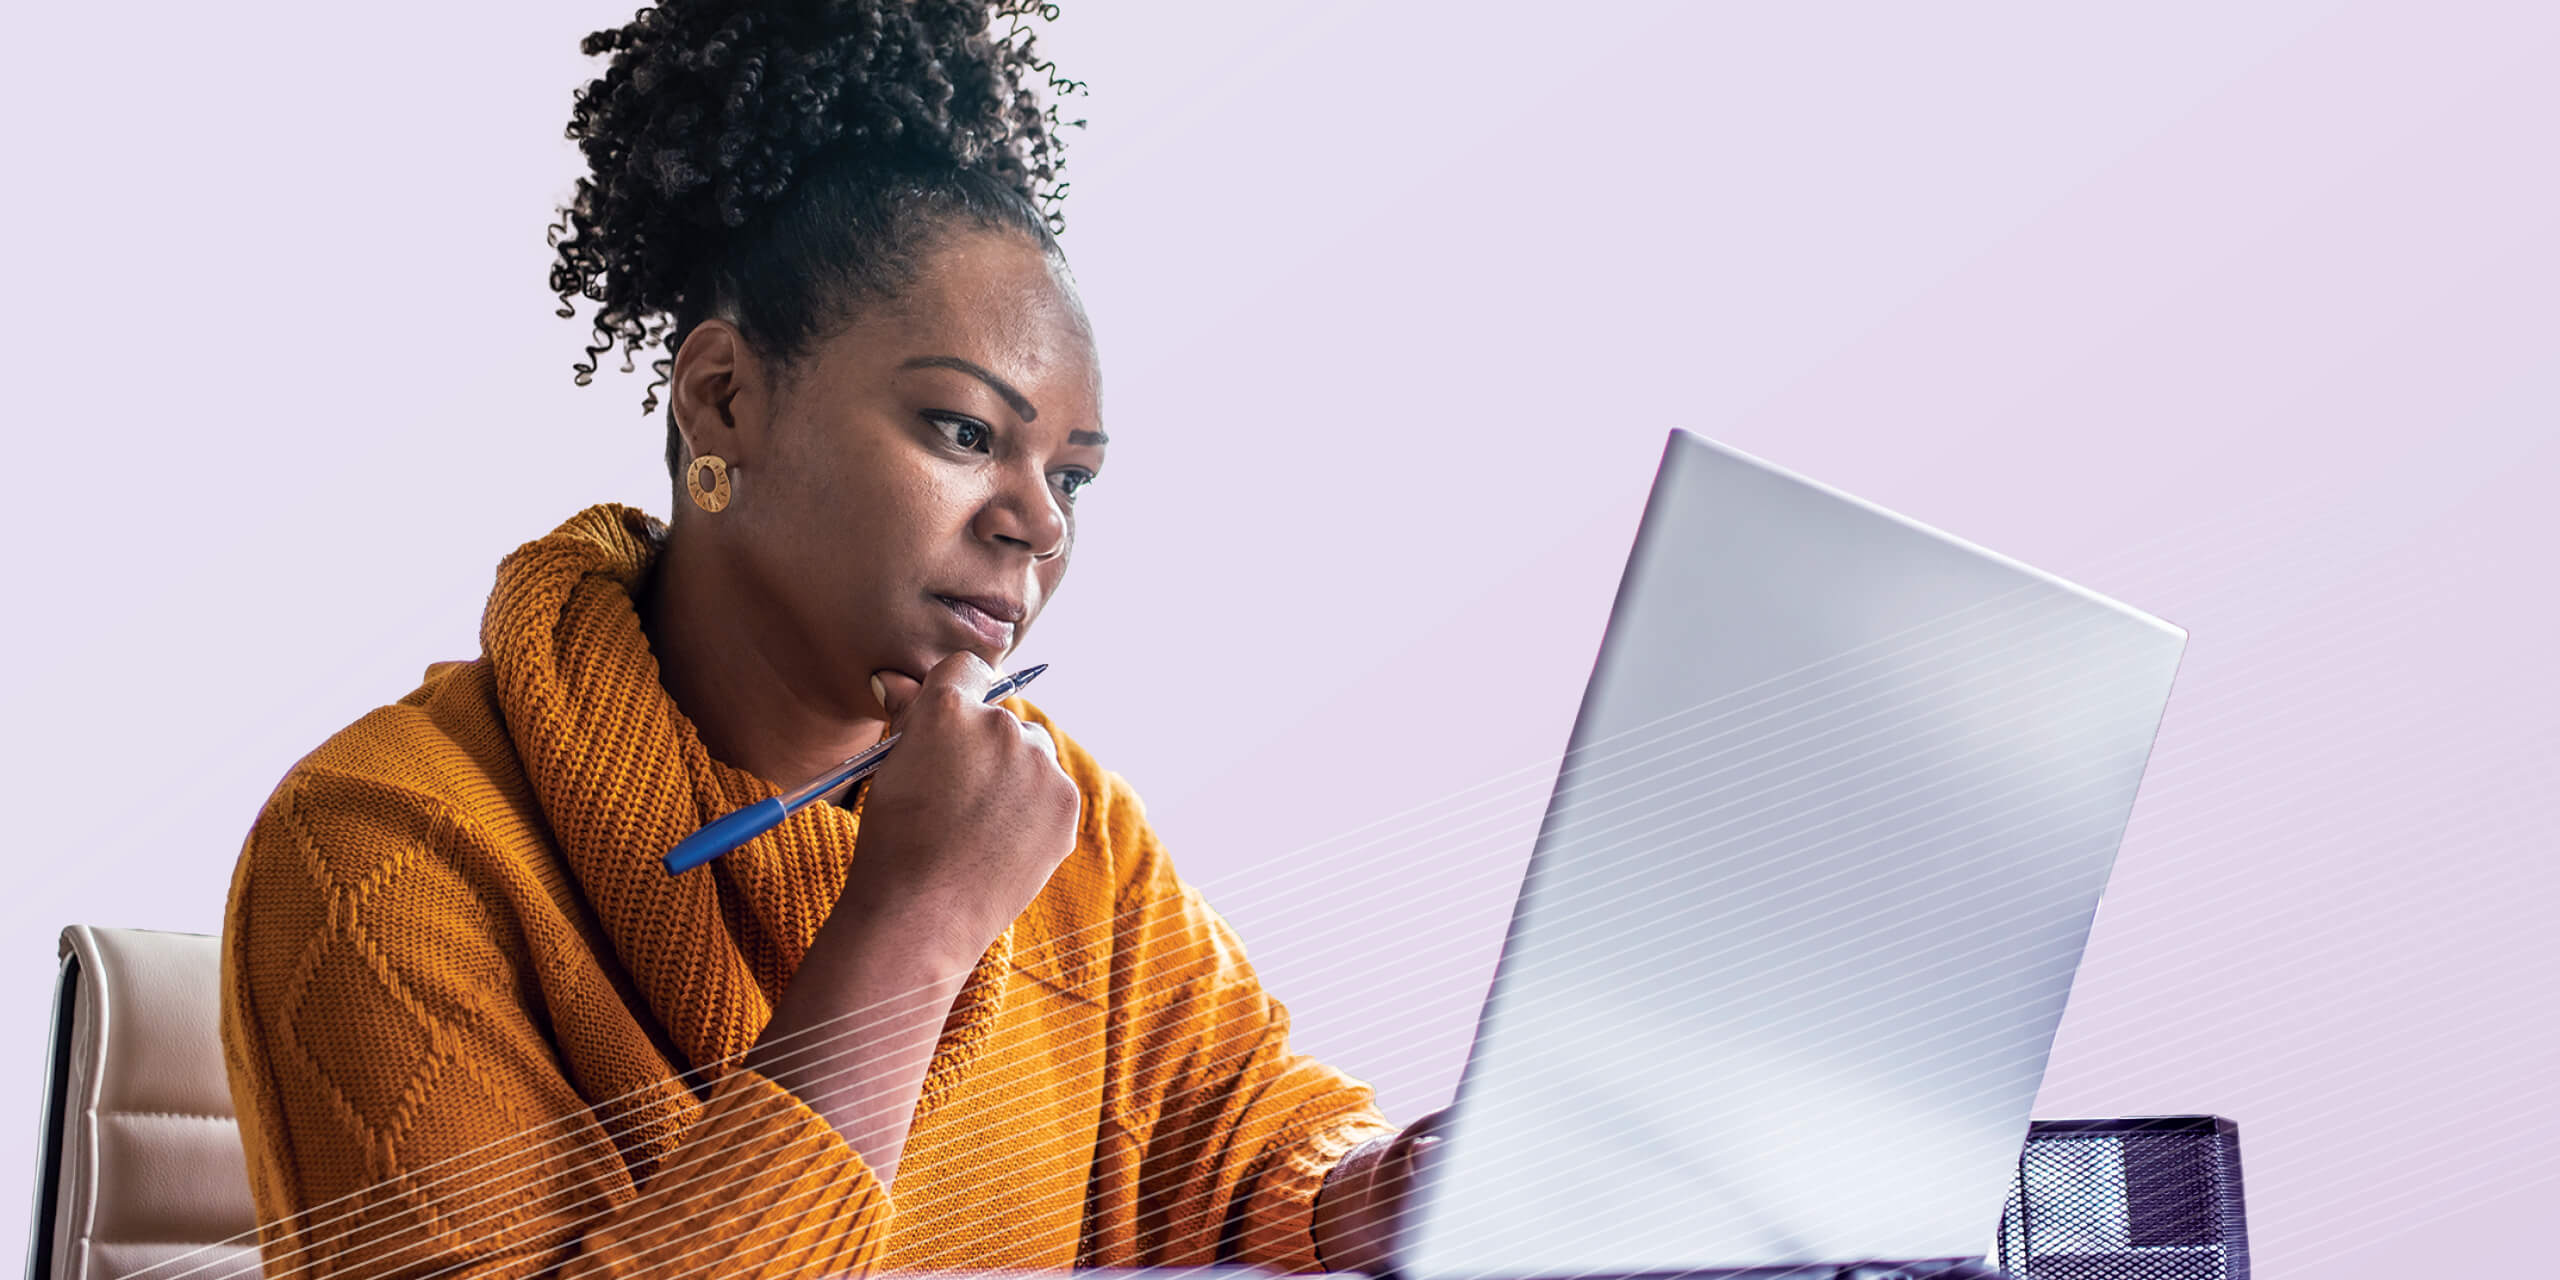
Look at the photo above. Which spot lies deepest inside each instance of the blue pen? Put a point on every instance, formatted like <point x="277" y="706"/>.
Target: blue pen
<point x="730" y="830"/>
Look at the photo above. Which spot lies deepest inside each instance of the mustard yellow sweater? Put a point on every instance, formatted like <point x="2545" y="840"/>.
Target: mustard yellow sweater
<point x="474" y="1030"/>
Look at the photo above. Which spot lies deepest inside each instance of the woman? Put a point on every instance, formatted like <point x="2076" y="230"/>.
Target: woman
<point x="974" y="1020"/>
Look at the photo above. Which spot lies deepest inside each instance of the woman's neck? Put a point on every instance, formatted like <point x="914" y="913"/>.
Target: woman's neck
<point x="720" y="662"/>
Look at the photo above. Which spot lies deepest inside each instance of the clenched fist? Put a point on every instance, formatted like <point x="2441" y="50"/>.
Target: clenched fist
<point x="966" y="820"/>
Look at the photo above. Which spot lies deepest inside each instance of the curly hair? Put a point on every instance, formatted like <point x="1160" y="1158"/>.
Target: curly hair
<point x="785" y="162"/>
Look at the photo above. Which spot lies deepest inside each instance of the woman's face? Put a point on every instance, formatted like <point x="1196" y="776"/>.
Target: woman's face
<point x="929" y="452"/>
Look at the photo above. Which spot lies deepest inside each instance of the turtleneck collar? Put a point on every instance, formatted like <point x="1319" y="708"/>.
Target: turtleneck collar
<point x="621" y="775"/>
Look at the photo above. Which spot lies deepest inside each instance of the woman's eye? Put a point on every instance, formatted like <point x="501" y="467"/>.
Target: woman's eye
<point x="958" y="430"/>
<point x="973" y="435"/>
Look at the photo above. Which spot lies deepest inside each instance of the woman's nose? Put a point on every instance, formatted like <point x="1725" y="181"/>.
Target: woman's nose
<point x="1025" y="512"/>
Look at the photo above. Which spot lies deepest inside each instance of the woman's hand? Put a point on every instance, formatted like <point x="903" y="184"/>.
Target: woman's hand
<point x="964" y="823"/>
<point x="969" y="816"/>
<point x="1360" y="1211"/>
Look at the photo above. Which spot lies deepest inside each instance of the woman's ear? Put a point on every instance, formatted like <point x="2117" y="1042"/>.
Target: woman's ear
<point x="719" y="393"/>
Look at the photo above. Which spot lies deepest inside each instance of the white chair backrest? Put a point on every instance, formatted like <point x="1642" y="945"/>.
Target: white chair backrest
<point x="140" y="1171"/>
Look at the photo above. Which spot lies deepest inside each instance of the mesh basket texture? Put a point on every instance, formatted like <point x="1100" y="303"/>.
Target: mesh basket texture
<point x="2144" y="1198"/>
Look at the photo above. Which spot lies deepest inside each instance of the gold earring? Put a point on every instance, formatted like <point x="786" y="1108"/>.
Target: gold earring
<point x="712" y="494"/>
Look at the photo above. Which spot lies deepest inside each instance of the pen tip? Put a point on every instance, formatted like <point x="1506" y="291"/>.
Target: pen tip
<point x="1028" y="674"/>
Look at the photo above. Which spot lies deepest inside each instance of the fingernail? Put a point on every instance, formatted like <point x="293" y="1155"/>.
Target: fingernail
<point x="879" y="693"/>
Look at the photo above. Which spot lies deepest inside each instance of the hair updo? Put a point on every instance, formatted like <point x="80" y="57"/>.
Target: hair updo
<point x="781" y="164"/>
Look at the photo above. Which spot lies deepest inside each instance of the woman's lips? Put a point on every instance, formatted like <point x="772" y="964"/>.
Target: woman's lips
<point x="994" y="632"/>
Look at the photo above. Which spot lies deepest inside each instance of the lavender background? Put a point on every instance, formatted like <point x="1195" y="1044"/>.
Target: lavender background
<point x="2243" y="314"/>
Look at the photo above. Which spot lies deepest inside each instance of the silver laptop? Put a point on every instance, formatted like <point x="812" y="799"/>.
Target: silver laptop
<point x="1818" y="868"/>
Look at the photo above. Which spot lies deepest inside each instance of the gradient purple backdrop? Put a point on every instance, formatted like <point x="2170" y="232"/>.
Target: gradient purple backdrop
<point x="2244" y="315"/>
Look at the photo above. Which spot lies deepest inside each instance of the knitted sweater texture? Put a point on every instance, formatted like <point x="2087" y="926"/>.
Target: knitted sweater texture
<point x="474" y="1030"/>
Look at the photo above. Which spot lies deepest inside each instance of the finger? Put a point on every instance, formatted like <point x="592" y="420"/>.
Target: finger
<point x="1434" y="1124"/>
<point x="964" y="673"/>
<point x="895" y="690"/>
<point x="1039" y="736"/>
<point x="1421" y="1141"/>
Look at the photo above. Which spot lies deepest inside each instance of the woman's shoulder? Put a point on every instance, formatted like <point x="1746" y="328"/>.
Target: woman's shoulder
<point x="370" y="887"/>
<point x="435" y="762"/>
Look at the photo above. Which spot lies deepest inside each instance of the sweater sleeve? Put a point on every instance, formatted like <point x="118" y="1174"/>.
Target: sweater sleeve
<point x="1235" y="1131"/>
<point x="405" y="1115"/>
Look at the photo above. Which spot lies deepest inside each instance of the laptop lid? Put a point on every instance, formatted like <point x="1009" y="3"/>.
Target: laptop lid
<point x="1817" y="871"/>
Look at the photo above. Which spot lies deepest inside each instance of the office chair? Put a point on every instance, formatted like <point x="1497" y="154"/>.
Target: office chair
<point x="139" y="1168"/>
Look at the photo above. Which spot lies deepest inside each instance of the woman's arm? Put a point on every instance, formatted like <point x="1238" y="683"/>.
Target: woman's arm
<point x="893" y="974"/>
<point x="1216" y="1134"/>
<point x="404" y="1104"/>
<point x="397" y="1055"/>
<point x="961" y="827"/>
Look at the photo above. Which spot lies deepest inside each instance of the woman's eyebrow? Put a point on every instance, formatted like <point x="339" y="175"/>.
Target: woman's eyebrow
<point x="1020" y="404"/>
